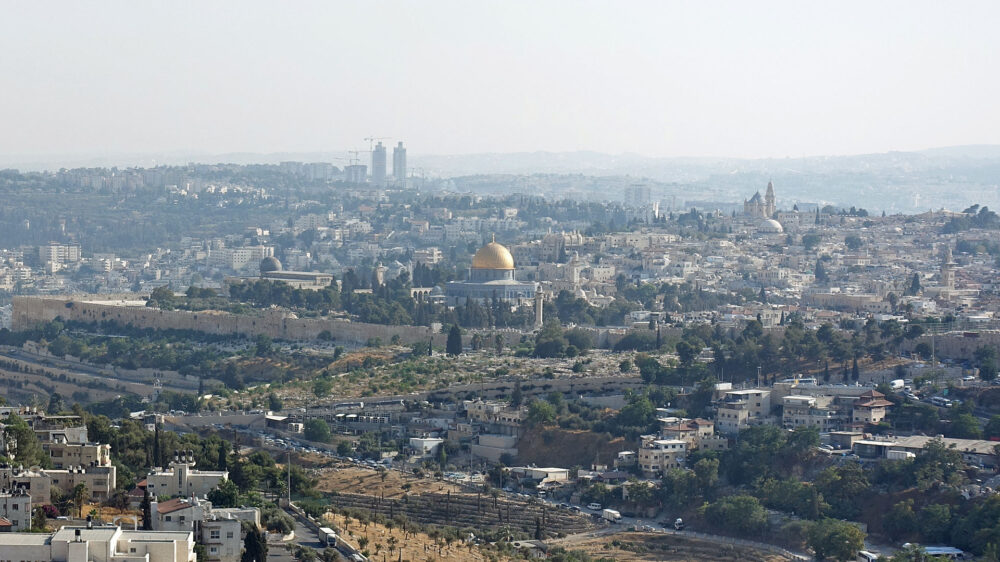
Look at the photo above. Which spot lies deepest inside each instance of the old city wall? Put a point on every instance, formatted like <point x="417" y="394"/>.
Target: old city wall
<point x="29" y="312"/>
<point x="955" y="345"/>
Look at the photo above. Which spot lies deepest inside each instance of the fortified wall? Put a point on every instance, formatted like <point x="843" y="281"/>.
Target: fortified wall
<point x="30" y="311"/>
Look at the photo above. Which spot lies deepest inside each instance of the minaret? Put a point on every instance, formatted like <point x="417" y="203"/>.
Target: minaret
<point x="769" y="207"/>
<point x="538" y="308"/>
<point x="948" y="269"/>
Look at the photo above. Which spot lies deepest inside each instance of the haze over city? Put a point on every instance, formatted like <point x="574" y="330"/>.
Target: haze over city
<point x="478" y="281"/>
<point x="661" y="79"/>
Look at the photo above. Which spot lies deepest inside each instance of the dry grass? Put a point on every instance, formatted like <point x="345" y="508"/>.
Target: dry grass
<point x="651" y="546"/>
<point x="416" y="546"/>
<point x="370" y="482"/>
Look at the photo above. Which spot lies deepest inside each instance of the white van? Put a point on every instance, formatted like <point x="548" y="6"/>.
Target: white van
<point x="594" y="506"/>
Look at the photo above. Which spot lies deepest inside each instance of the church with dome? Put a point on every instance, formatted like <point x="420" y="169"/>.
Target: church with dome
<point x="491" y="276"/>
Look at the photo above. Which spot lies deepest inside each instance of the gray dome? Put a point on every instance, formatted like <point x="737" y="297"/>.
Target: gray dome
<point x="270" y="264"/>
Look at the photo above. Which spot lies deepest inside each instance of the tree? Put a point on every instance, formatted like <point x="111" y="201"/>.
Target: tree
<point x="706" y="472"/>
<point x="56" y="404"/>
<point x="843" y="487"/>
<point x="147" y="513"/>
<point x="322" y="386"/>
<point x="914" y="288"/>
<point x="810" y="241"/>
<point x="686" y="352"/>
<point x="225" y="495"/>
<point x="254" y="544"/>
<point x="274" y="403"/>
<point x="38" y="519"/>
<point x="900" y="521"/>
<point x="316" y="429"/>
<point x="454" y="344"/>
<point x="540" y="412"/>
<point x="23" y="446"/>
<point x="992" y="427"/>
<point x="836" y="540"/>
<point x="580" y="338"/>
<point x="964" y="426"/>
<point x="822" y="277"/>
<point x="986" y="358"/>
<point x="935" y="522"/>
<point x="263" y="346"/>
<point x="743" y="514"/>
<point x="517" y="396"/>
<point x="853" y="242"/>
<point x="550" y="341"/>
<point x="79" y="495"/>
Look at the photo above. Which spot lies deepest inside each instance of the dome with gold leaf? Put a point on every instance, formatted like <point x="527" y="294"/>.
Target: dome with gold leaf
<point x="493" y="256"/>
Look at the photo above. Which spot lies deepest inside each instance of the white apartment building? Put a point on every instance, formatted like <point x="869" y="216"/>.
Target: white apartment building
<point x="219" y="529"/>
<point x="98" y="544"/>
<point x="181" y="479"/>
<point x="59" y="253"/>
<point x="99" y="480"/>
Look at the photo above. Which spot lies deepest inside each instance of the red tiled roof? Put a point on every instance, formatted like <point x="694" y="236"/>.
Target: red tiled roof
<point x="4" y="522"/>
<point x="173" y="505"/>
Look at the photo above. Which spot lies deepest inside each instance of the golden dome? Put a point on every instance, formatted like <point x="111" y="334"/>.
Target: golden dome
<point x="493" y="256"/>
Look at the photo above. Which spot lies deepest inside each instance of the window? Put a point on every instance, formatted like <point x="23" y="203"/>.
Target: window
<point x="213" y="550"/>
<point x="214" y="534"/>
<point x="169" y="518"/>
<point x="181" y="519"/>
<point x="229" y="535"/>
<point x="132" y="550"/>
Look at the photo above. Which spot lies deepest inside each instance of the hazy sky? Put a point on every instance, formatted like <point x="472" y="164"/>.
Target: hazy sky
<point x="747" y="78"/>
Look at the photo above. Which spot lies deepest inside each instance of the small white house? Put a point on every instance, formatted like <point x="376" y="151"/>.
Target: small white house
<point x="425" y="446"/>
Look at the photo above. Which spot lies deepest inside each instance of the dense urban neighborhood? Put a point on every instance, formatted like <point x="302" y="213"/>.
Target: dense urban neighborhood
<point x="309" y="361"/>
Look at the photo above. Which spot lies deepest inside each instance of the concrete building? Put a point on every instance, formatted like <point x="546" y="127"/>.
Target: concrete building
<point x="425" y="446"/>
<point x="811" y="411"/>
<point x="492" y="446"/>
<point x="181" y="479"/>
<point x="870" y="408"/>
<point x="98" y="544"/>
<point x="15" y="510"/>
<point x="656" y="456"/>
<point x="355" y="173"/>
<point x="976" y="452"/>
<point x="542" y="475"/>
<point x="220" y="530"/>
<point x="378" y="164"/>
<point x="64" y="454"/>
<point x="741" y="408"/>
<point x="399" y="165"/>
<point x="99" y="480"/>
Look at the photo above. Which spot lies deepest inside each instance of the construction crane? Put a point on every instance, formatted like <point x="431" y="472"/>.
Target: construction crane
<point x="371" y="141"/>
<point x="354" y="157"/>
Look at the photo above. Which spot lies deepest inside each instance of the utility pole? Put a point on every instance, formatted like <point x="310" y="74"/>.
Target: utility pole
<point x="289" y="479"/>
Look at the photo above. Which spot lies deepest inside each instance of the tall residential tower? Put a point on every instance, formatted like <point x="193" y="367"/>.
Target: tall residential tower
<point x="378" y="164"/>
<point x="399" y="165"/>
